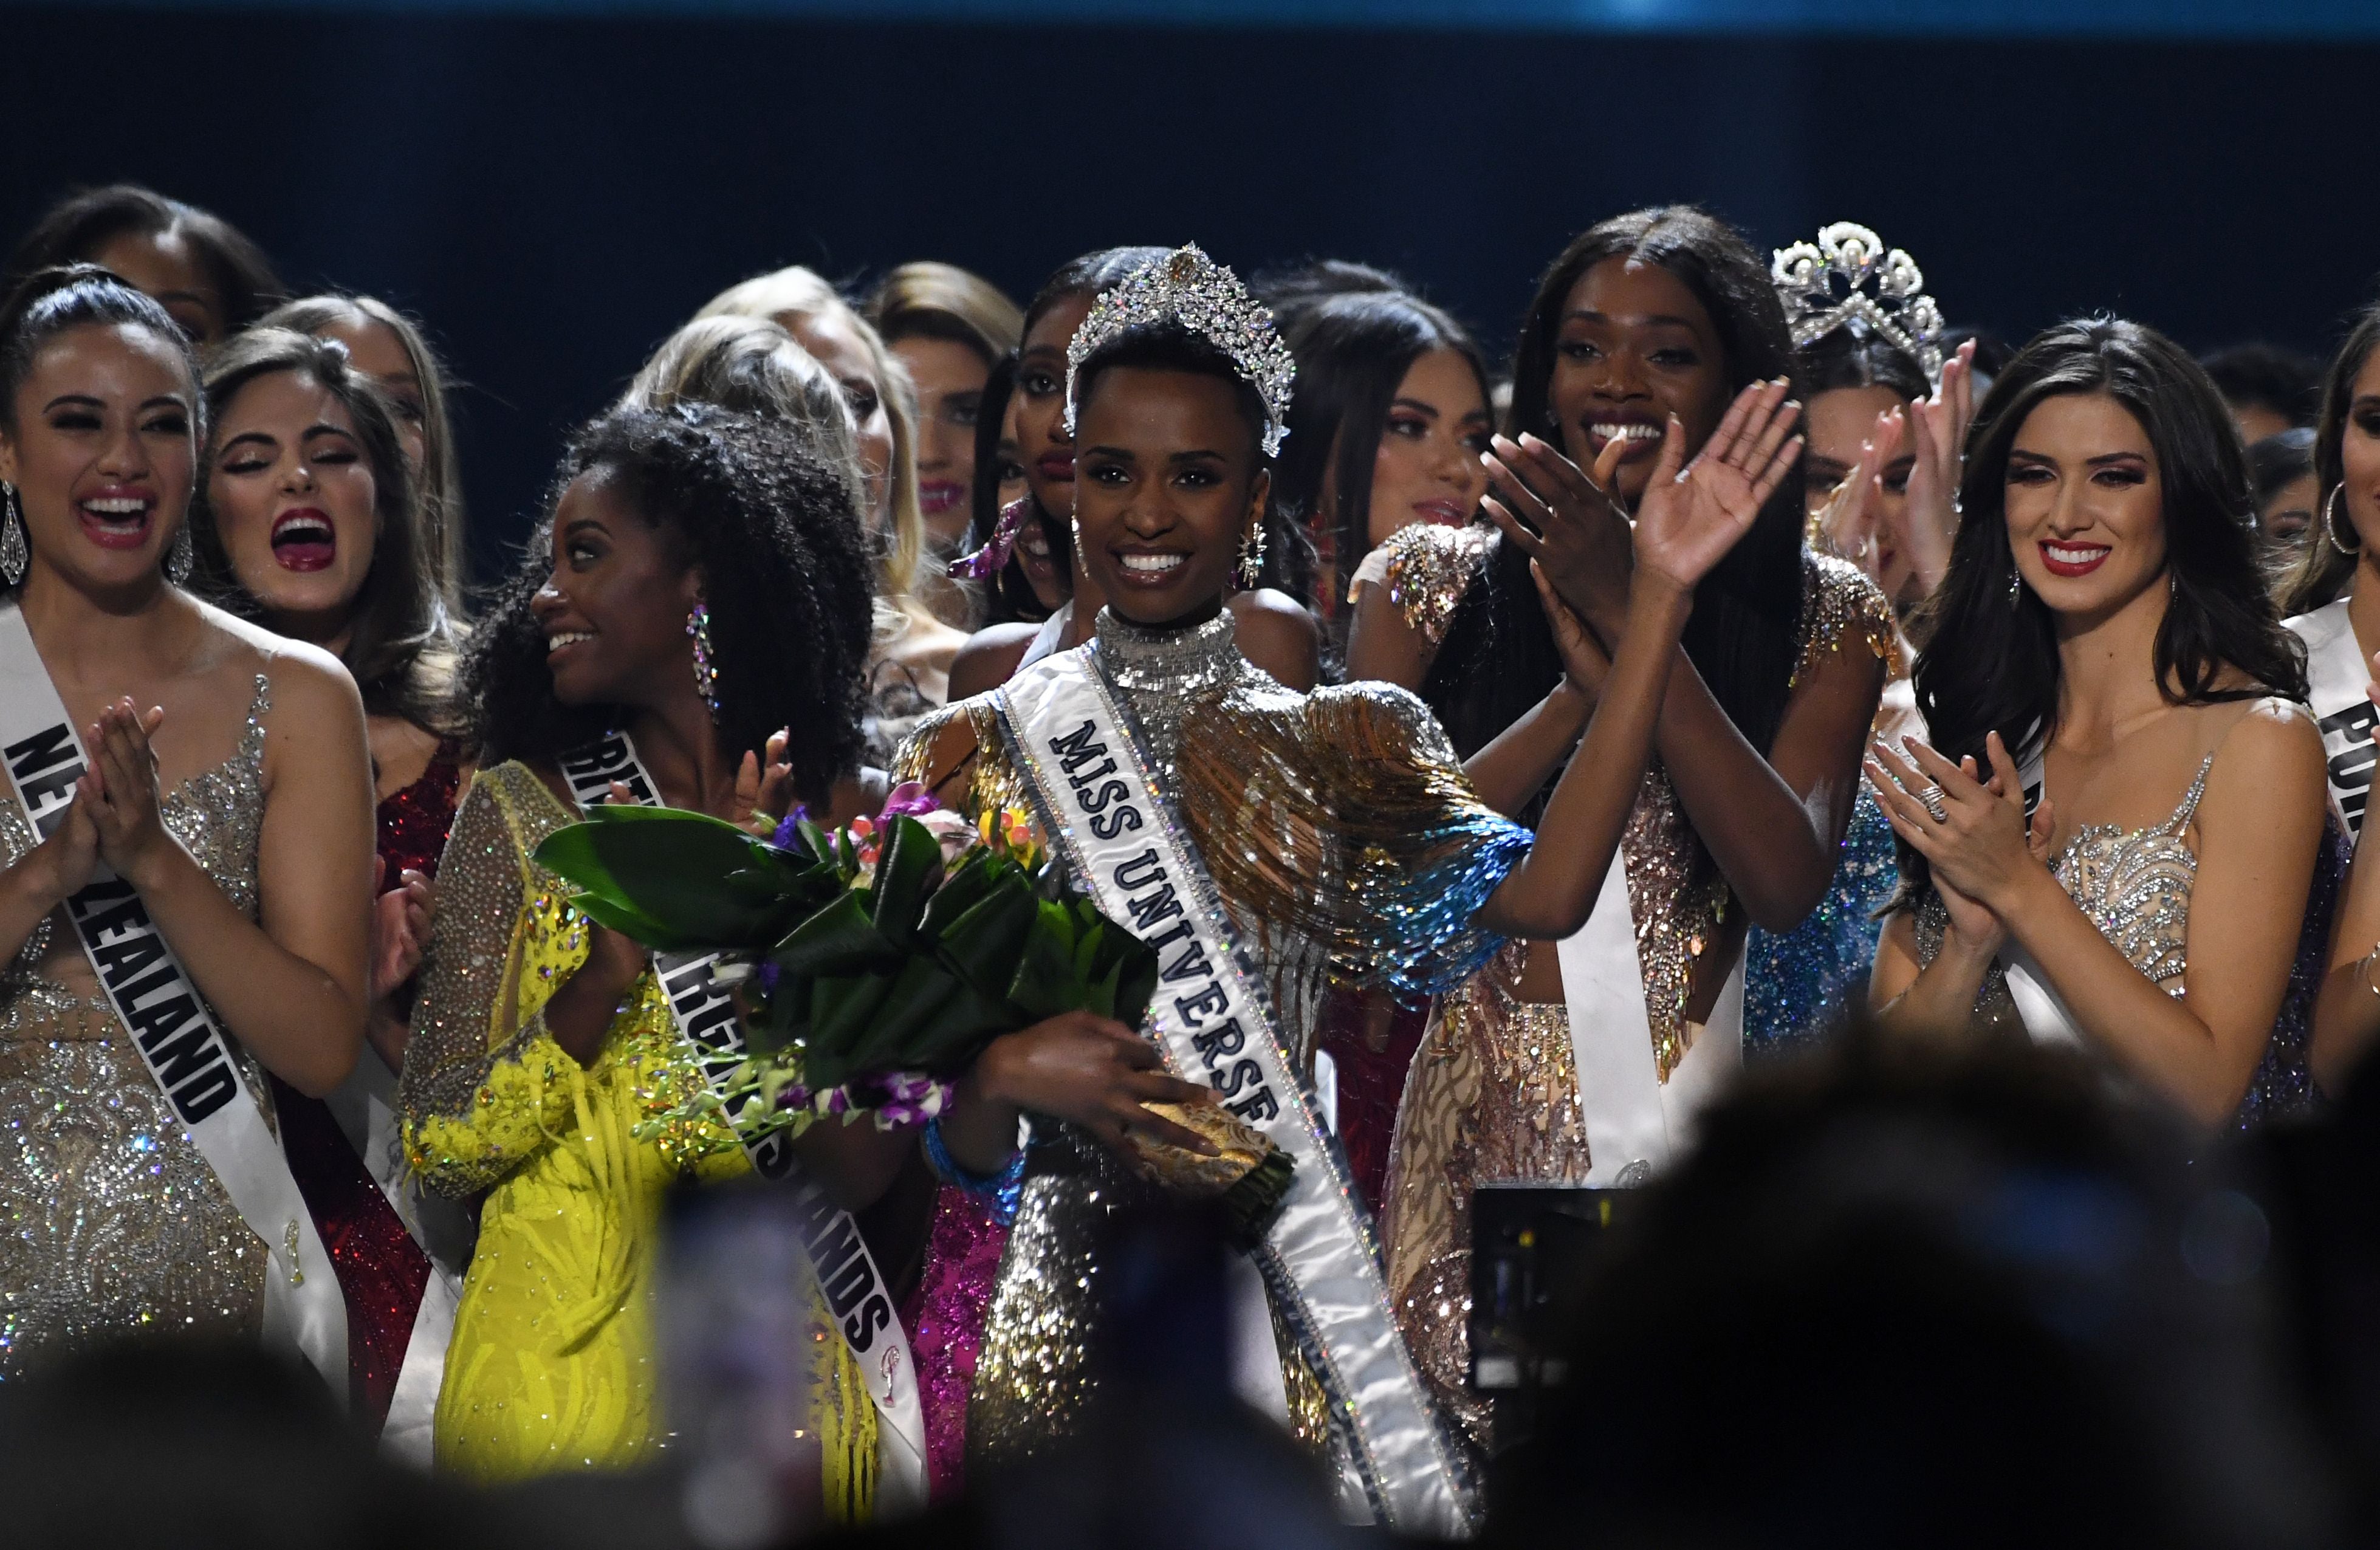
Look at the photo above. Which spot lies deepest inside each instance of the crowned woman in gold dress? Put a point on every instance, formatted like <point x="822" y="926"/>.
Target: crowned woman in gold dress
<point x="1261" y="840"/>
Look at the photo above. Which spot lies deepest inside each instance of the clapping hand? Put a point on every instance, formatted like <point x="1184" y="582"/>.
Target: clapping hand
<point x="1848" y="524"/>
<point x="1688" y="520"/>
<point x="1566" y="521"/>
<point x="127" y="812"/>
<point x="1937" y="430"/>
<point x="400" y="928"/>
<point x="1973" y="832"/>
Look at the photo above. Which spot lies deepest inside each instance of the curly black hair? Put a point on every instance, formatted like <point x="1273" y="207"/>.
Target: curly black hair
<point x="786" y="573"/>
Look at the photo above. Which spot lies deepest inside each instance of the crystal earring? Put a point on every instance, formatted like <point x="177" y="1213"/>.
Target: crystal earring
<point x="706" y="672"/>
<point x="14" y="556"/>
<point x="180" y="557"/>
<point x="2016" y="587"/>
<point x="2330" y="521"/>
<point x="1252" y="550"/>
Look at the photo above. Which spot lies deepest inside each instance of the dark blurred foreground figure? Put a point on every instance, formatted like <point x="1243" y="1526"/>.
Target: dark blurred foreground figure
<point x="201" y="1446"/>
<point x="1918" y="1294"/>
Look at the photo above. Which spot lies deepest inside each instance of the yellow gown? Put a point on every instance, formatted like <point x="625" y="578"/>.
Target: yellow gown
<point x="552" y="1367"/>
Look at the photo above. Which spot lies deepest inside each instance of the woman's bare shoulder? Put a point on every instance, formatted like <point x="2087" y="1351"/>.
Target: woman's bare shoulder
<point x="306" y="684"/>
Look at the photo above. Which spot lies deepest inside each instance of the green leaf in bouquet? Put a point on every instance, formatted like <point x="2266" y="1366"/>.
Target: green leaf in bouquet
<point x="908" y="868"/>
<point x="842" y="1010"/>
<point x="984" y="943"/>
<point x="662" y="876"/>
<point x="838" y="940"/>
<point x="970" y="882"/>
<point x="1046" y="983"/>
<point x="929" y="1019"/>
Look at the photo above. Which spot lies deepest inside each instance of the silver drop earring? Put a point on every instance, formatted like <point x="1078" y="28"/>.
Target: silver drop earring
<point x="1252" y="551"/>
<point x="14" y="554"/>
<point x="2016" y="587"/>
<point x="180" y="557"/>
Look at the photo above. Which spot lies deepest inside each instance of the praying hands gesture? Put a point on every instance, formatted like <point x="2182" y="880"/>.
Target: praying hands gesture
<point x="1973" y="832"/>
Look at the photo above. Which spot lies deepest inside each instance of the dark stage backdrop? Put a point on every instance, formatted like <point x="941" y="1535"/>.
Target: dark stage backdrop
<point x="554" y="193"/>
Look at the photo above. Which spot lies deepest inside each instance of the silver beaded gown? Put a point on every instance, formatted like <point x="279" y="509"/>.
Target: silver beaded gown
<point x="114" y="1224"/>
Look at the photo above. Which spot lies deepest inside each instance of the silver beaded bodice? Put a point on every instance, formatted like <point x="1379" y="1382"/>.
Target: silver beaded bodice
<point x="114" y="1223"/>
<point x="1159" y="672"/>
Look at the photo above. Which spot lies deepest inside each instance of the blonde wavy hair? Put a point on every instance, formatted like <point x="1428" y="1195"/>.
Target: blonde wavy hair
<point x="798" y="293"/>
<point x="753" y="367"/>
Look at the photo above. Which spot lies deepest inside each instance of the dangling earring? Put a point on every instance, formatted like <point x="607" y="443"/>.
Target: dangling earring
<point x="180" y="557"/>
<point x="1251" y="549"/>
<point x="2329" y="520"/>
<point x="2016" y="585"/>
<point x="14" y="557"/>
<point x="706" y="673"/>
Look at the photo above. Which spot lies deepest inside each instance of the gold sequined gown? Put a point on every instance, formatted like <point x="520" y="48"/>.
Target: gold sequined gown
<point x="1342" y="839"/>
<point x="114" y="1223"/>
<point x="1492" y="1096"/>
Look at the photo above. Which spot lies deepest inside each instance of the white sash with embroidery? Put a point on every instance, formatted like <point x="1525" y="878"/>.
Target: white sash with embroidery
<point x="1636" y="1124"/>
<point x="855" y="1292"/>
<point x="1212" y="1021"/>
<point x="2338" y="677"/>
<point x="188" y="1058"/>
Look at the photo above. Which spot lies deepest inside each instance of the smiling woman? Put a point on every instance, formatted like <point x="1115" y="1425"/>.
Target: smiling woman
<point x="307" y="522"/>
<point x="2122" y="841"/>
<point x="222" y="777"/>
<point x="1333" y="829"/>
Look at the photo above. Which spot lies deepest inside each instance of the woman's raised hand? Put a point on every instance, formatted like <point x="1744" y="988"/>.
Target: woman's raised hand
<point x="1938" y="428"/>
<point x="764" y="788"/>
<point x="1566" y="522"/>
<point x="1848" y="523"/>
<point x="127" y="814"/>
<point x="1689" y="519"/>
<point x="400" y="930"/>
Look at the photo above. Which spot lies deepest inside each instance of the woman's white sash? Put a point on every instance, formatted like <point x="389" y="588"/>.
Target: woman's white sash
<point x="2042" y="1010"/>
<point x="857" y="1293"/>
<point x="1212" y="1021"/>
<point x="2338" y="679"/>
<point x="1636" y="1124"/>
<point x="187" y="1056"/>
<point x="368" y="1114"/>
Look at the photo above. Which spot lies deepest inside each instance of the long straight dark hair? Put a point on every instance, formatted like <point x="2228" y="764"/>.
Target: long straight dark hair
<point x="1499" y="656"/>
<point x="1353" y="351"/>
<point x="1992" y="665"/>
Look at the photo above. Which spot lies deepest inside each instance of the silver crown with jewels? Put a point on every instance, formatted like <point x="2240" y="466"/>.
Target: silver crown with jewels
<point x="1187" y="287"/>
<point x="1849" y="279"/>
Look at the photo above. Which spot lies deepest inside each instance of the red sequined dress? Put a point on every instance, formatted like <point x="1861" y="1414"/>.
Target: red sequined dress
<point x="381" y="1271"/>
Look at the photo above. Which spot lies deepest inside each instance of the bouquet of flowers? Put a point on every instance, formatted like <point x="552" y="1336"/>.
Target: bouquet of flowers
<point x="883" y="958"/>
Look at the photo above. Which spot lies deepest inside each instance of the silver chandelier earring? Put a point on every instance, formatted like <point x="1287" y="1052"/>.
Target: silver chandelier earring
<point x="2330" y="521"/>
<point x="181" y="557"/>
<point x="2016" y="587"/>
<point x="13" y="555"/>
<point x="1251" y="553"/>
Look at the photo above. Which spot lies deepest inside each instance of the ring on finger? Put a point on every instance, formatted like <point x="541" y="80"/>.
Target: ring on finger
<point x="1930" y="798"/>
